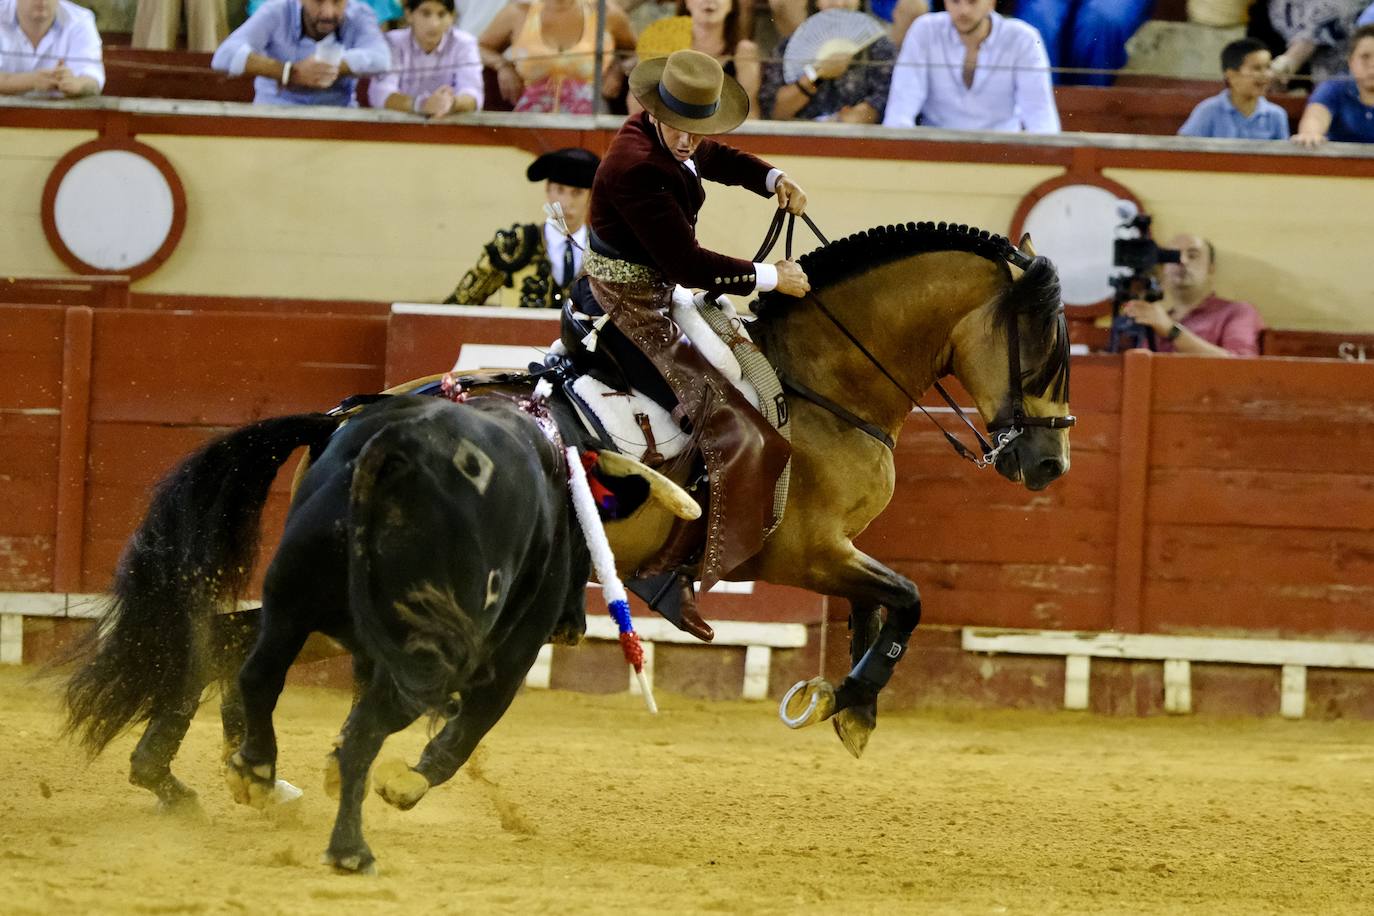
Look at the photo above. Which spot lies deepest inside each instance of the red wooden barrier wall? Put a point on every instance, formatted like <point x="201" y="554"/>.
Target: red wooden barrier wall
<point x="1204" y="495"/>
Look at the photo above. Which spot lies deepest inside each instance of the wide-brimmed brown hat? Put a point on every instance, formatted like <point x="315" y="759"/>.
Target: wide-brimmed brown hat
<point x="689" y="90"/>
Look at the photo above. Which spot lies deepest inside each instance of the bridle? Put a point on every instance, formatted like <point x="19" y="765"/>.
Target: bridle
<point x="1003" y="432"/>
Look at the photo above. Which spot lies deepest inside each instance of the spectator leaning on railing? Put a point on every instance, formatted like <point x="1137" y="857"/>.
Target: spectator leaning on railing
<point x="49" y="48"/>
<point x="1343" y="109"/>
<point x="969" y="68"/>
<point x="435" y="68"/>
<point x="1192" y="318"/>
<point x="306" y="52"/>
<point x="1240" y="111"/>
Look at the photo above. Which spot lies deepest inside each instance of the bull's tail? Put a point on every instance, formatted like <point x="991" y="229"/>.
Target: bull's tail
<point x="418" y="633"/>
<point x="192" y="554"/>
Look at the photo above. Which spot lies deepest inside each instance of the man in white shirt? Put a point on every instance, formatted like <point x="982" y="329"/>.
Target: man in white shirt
<point x="532" y="265"/>
<point x="49" y="48"/>
<point x="970" y="69"/>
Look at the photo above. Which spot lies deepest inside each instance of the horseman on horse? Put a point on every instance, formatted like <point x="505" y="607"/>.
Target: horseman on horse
<point x="644" y="207"/>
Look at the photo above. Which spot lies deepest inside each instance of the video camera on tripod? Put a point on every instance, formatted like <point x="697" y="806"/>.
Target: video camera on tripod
<point x="1134" y="258"/>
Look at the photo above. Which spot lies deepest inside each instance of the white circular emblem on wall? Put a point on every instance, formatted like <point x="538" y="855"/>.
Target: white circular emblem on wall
<point x="114" y="206"/>
<point x="1072" y="220"/>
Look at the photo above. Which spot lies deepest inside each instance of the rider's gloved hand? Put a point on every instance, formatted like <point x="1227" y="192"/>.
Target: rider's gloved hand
<point x="792" y="279"/>
<point x="790" y="196"/>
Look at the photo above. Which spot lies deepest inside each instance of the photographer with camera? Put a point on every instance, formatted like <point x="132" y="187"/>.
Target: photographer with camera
<point x="1190" y="317"/>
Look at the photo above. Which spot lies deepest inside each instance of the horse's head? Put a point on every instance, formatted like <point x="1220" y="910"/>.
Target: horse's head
<point x="1012" y="356"/>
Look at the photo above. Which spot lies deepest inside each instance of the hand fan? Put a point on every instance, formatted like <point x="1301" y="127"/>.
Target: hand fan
<point x="827" y="33"/>
<point x="664" y="36"/>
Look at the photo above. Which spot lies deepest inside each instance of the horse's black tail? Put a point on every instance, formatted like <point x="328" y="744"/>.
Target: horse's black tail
<point x="192" y="554"/>
<point x="418" y="633"/>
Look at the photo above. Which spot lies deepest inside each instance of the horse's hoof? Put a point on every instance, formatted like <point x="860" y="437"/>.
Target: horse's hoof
<point x="250" y="785"/>
<point x="332" y="779"/>
<point x="854" y="725"/>
<point x="356" y="862"/>
<point x="807" y="703"/>
<point x="396" y="782"/>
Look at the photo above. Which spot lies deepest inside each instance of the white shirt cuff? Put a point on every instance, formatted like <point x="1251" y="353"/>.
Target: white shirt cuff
<point x="239" y="61"/>
<point x="771" y="182"/>
<point x="765" y="276"/>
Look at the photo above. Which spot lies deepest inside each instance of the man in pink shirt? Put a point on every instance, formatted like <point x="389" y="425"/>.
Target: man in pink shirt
<point x="1192" y="318"/>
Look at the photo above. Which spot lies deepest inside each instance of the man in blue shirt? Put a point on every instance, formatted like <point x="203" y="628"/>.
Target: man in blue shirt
<point x="1343" y="109"/>
<point x="1240" y="111"/>
<point x="306" y="52"/>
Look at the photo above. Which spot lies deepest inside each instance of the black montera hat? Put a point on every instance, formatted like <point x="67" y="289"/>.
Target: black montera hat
<point x="572" y="166"/>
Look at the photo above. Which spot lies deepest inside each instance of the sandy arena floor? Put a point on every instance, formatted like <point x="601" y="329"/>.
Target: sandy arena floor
<point x="587" y="805"/>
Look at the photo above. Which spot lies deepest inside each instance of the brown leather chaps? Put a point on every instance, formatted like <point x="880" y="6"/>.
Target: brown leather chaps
<point x="744" y="455"/>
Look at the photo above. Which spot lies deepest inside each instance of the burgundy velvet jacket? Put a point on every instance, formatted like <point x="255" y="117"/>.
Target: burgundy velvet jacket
<point x="645" y="204"/>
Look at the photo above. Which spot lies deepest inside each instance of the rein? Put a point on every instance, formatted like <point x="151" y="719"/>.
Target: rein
<point x="1004" y="433"/>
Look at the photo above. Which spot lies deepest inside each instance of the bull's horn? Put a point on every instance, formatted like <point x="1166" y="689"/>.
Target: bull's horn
<point x="662" y="490"/>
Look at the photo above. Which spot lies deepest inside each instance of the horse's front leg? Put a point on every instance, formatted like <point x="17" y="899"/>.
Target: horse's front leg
<point x="867" y="583"/>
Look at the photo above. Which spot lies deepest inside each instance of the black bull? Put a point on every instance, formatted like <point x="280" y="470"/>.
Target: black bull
<point x="435" y="541"/>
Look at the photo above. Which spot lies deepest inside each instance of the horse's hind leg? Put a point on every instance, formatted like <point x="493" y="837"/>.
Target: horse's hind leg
<point x="855" y="723"/>
<point x="378" y="713"/>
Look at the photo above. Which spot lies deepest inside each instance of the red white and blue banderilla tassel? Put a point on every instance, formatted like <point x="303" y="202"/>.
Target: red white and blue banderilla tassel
<point x="603" y="561"/>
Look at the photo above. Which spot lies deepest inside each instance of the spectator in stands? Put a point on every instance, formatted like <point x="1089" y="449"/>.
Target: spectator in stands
<point x="718" y="30"/>
<point x="1318" y="32"/>
<point x="435" y="68"/>
<point x="969" y="68"/>
<point x="898" y="14"/>
<point x="1240" y="111"/>
<point x="843" y="87"/>
<point x="386" y="10"/>
<point x="1343" y="109"/>
<point x="49" y="48"/>
<point x="534" y="265"/>
<point x="1086" y="34"/>
<point x="1192" y="318"/>
<point x="544" y="54"/>
<point x="156" y="23"/>
<point x="306" y="52"/>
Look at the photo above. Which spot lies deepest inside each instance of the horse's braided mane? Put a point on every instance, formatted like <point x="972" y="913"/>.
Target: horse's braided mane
<point x="1034" y="295"/>
<point x="843" y="258"/>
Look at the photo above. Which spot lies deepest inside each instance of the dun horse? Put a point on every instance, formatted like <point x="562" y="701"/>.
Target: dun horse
<point x="892" y="311"/>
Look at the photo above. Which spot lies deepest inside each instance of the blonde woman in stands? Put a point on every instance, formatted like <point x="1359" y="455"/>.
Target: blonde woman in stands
<point x="544" y="54"/>
<point x="49" y="48"/>
<point x="435" y="68"/>
<point x="719" y="29"/>
<point x="843" y="87"/>
<point x="898" y="14"/>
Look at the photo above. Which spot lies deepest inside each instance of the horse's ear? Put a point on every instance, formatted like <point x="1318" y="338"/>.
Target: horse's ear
<point x="1026" y="247"/>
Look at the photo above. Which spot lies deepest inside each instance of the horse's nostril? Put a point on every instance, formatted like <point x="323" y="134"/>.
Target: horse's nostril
<point x="1051" y="468"/>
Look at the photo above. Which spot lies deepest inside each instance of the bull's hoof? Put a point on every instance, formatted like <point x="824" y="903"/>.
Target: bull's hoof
<point x="358" y="861"/>
<point x="807" y="703"/>
<point x="251" y="786"/>
<point x="396" y="782"/>
<point x="854" y="725"/>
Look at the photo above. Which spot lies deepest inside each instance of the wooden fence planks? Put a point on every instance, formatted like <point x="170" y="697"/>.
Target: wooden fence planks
<point x="227" y="369"/>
